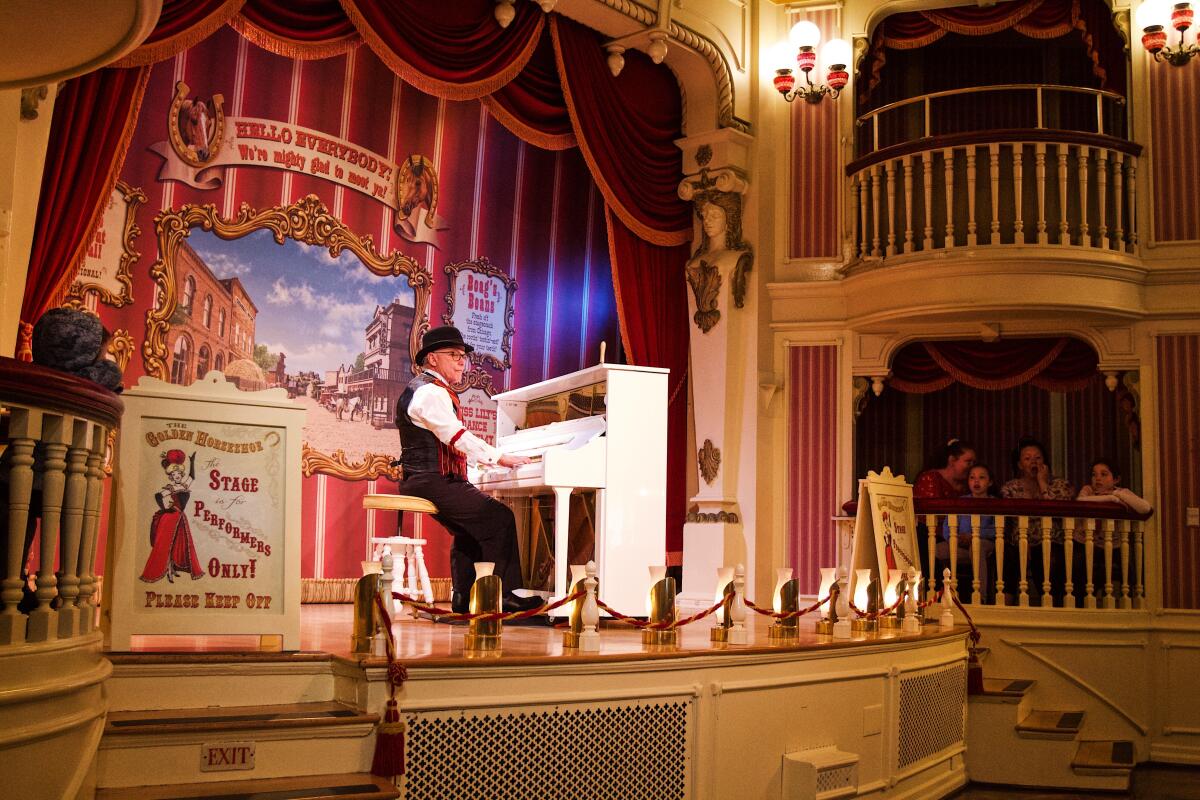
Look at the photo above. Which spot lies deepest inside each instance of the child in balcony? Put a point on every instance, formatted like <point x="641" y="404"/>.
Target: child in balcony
<point x="979" y="482"/>
<point x="1105" y="488"/>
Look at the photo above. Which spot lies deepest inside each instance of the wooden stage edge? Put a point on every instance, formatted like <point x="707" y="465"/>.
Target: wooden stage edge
<point x="325" y="633"/>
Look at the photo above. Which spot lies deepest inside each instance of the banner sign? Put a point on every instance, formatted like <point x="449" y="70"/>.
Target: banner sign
<point x="106" y="264"/>
<point x="480" y="303"/>
<point x="479" y="414"/>
<point x="203" y="143"/>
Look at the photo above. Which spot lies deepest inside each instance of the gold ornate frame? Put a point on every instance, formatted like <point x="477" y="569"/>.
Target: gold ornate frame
<point x="485" y="268"/>
<point x="133" y="198"/>
<point x="307" y="221"/>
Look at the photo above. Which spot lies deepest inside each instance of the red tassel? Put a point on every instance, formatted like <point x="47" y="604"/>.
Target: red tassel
<point x="389" y="744"/>
<point x="974" y="673"/>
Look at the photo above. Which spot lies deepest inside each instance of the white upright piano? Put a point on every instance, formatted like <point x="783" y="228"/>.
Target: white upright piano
<point x="602" y="428"/>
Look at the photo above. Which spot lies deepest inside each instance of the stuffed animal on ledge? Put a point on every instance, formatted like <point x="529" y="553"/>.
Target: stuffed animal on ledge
<point x="75" y="342"/>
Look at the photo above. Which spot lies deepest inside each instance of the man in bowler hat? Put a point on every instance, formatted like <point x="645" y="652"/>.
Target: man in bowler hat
<point x="435" y="447"/>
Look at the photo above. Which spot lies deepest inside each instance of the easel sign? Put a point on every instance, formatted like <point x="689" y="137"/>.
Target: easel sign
<point x="206" y="514"/>
<point x="885" y="528"/>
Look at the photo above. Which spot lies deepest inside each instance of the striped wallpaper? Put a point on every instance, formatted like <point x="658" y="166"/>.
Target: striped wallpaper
<point x="1179" y="468"/>
<point x="812" y="461"/>
<point x="1175" y="142"/>
<point x="815" y="174"/>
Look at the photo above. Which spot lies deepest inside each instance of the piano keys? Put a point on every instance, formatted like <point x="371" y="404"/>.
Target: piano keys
<point x="604" y="430"/>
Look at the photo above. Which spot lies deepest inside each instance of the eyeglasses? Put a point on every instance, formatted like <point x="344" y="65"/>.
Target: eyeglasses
<point x="454" y="354"/>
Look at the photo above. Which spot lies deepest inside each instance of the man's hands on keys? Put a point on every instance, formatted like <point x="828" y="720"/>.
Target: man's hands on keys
<point x="513" y="461"/>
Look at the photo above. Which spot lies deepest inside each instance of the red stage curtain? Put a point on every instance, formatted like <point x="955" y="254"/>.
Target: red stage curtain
<point x="627" y="127"/>
<point x="652" y="308"/>
<point x="306" y="29"/>
<point x="532" y="105"/>
<point x="94" y="117"/>
<point x="454" y="50"/>
<point x="1058" y="365"/>
<point x="181" y="24"/>
<point x="1036" y="19"/>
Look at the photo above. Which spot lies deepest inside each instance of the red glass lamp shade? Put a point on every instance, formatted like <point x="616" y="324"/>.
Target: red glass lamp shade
<point x="1182" y="16"/>
<point x="806" y="59"/>
<point x="838" y="77"/>
<point x="785" y="81"/>
<point x="1154" y="39"/>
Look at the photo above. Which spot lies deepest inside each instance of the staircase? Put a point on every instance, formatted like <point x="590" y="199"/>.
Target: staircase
<point x="233" y="726"/>
<point x="1009" y="741"/>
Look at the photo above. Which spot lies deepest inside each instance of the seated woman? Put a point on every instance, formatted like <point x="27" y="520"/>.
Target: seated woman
<point x="1034" y="482"/>
<point x="948" y="481"/>
<point x="1104" y="488"/>
<point x="979" y="481"/>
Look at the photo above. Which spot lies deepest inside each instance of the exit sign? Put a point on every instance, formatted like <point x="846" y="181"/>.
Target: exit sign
<point x="226" y="756"/>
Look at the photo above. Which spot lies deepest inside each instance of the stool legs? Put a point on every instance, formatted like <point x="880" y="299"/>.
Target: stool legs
<point x="423" y="575"/>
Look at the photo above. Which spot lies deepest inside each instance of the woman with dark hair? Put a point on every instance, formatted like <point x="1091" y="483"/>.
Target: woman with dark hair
<point x="1105" y="486"/>
<point x="949" y="480"/>
<point x="1033" y="481"/>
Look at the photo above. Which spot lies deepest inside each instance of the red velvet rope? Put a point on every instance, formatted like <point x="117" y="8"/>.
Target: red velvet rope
<point x="491" y="615"/>
<point x="766" y="612"/>
<point x="642" y="624"/>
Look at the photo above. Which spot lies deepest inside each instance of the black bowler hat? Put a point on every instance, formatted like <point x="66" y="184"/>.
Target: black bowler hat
<point x="437" y="338"/>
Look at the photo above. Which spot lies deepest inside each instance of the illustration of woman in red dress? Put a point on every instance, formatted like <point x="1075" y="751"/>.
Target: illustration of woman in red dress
<point x="172" y="551"/>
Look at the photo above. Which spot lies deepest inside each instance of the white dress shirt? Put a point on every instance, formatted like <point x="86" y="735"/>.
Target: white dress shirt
<point x="432" y="409"/>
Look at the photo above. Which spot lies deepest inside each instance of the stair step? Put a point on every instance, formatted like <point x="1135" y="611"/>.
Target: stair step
<point x="317" y="787"/>
<point x="237" y="718"/>
<point x="1106" y="755"/>
<point x="1007" y="687"/>
<point x="1051" y="724"/>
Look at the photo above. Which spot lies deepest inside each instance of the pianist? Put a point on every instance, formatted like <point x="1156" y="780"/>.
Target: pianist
<point x="435" y="447"/>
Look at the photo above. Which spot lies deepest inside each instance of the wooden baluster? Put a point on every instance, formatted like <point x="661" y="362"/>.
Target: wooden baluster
<point x="890" y="183"/>
<point x="1131" y="204"/>
<point x="1109" y="600"/>
<point x="948" y="161"/>
<point x="976" y="597"/>
<point x="91" y="524"/>
<point x="1118" y="199"/>
<point x="1139" y="592"/>
<point x="1068" y="561"/>
<point x="23" y="427"/>
<point x="1089" y="558"/>
<point x="1126" y="600"/>
<point x="952" y="546"/>
<point x="1102" y="196"/>
<point x="931" y="528"/>
<point x="971" y="238"/>
<point x="1018" y="154"/>
<point x="1085" y="237"/>
<point x="43" y="620"/>
<point x="1064" y="232"/>
<point x="1039" y="158"/>
<point x="927" y="180"/>
<point x="73" y="505"/>
<point x="1001" y="527"/>
<point x="1023" y="558"/>
<point x="908" y="201"/>
<point x="876" y="196"/>
<point x="1046" y="524"/>
<point x="863" y="236"/>
<point x="994" y="178"/>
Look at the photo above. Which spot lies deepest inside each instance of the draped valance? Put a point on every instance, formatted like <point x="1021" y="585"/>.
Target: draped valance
<point x="1059" y="365"/>
<point x="1089" y="20"/>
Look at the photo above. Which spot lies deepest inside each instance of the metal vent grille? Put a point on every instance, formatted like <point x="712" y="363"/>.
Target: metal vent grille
<point x="835" y="781"/>
<point x="628" y="751"/>
<point x="932" y="709"/>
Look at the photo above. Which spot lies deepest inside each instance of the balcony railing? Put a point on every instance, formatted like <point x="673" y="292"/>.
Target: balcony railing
<point x="1031" y="178"/>
<point x="50" y="492"/>
<point x="1045" y="553"/>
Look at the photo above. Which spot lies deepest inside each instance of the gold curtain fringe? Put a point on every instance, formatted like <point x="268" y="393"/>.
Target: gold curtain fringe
<point x="546" y="141"/>
<point x="643" y="231"/>
<point x="293" y="48"/>
<point x="1003" y="383"/>
<point x="437" y="88"/>
<point x="942" y="21"/>
<point x="148" y="54"/>
<point x="110" y="181"/>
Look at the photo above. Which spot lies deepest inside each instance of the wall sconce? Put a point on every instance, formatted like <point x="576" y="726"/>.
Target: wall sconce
<point x="835" y="55"/>
<point x="1152" y="17"/>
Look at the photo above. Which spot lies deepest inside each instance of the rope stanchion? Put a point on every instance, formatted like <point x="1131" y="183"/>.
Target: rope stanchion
<point x="642" y="624"/>
<point x="876" y="614"/>
<point x="503" y="616"/>
<point x="800" y="612"/>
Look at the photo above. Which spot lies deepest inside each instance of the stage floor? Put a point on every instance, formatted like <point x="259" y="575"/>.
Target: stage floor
<point x="325" y="629"/>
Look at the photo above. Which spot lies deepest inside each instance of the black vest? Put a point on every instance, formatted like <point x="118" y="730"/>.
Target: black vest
<point x="420" y="450"/>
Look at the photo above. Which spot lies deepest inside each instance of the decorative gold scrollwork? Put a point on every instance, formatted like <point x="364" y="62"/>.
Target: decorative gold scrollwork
<point x="486" y="268"/>
<point x="133" y="198"/>
<point x="372" y="466"/>
<point x="705" y="280"/>
<point x="120" y="346"/>
<point x="709" y="459"/>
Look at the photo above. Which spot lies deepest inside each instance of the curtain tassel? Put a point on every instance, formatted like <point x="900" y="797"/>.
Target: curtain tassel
<point x="389" y="744"/>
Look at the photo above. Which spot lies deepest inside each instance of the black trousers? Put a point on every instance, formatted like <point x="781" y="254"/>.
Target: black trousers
<point x="483" y="528"/>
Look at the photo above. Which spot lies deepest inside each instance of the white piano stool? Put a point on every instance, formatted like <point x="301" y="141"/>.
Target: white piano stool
<point x="410" y="572"/>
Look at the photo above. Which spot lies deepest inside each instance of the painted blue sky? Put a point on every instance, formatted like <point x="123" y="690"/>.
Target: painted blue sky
<point x="312" y="307"/>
